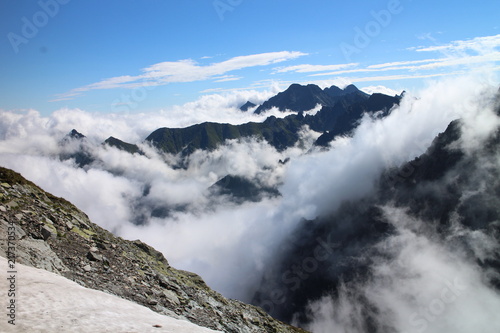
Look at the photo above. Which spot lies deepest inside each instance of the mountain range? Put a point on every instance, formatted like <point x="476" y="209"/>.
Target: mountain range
<point x="341" y="110"/>
<point x="419" y="244"/>
<point x="339" y="113"/>
<point x="303" y="98"/>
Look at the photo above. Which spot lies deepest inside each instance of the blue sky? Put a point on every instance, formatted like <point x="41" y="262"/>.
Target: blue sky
<point x="143" y="56"/>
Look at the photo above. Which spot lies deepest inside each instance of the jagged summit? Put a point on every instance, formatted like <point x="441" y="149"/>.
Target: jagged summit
<point x="248" y="105"/>
<point x="352" y="89"/>
<point x="302" y="98"/>
<point x="76" y="147"/>
<point x="74" y="134"/>
<point x="336" y="91"/>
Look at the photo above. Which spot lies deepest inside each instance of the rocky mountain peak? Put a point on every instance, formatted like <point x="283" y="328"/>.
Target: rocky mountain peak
<point x="248" y="105"/>
<point x="74" y="134"/>
<point x="122" y="145"/>
<point x="305" y="97"/>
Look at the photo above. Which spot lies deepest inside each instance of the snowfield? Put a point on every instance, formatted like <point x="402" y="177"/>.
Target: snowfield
<point x="46" y="302"/>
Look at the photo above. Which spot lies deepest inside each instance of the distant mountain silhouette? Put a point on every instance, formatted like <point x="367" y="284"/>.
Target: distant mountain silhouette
<point x="248" y="105"/>
<point x="341" y="111"/>
<point x="302" y="98"/>
<point x="241" y="189"/>
<point x="128" y="147"/>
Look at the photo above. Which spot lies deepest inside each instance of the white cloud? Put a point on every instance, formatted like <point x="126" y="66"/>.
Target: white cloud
<point x="186" y="70"/>
<point x="401" y="77"/>
<point x="381" y="90"/>
<point x="402" y="63"/>
<point x="479" y="44"/>
<point x="226" y="78"/>
<point x="430" y="64"/>
<point x="134" y="127"/>
<point x="314" y="68"/>
<point x="379" y="144"/>
<point x="458" y="57"/>
<point x="468" y="61"/>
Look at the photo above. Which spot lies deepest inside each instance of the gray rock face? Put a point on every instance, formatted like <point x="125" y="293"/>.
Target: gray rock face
<point x="52" y="234"/>
<point x="47" y="232"/>
<point x="92" y="256"/>
<point x="29" y="251"/>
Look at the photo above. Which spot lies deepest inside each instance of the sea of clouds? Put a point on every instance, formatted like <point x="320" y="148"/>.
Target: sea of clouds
<point x="230" y="244"/>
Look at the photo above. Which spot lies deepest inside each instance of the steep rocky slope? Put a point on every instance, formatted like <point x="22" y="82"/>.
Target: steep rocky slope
<point x="52" y="234"/>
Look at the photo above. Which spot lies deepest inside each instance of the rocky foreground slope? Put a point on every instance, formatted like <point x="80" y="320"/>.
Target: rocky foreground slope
<point x="52" y="234"/>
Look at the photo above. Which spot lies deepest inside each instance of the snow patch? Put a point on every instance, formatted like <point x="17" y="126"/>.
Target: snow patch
<point x="49" y="303"/>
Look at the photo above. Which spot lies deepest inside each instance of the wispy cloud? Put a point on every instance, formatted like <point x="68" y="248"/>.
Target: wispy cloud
<point x="306" y="68"/>
<point x="186" y="70"/>
<point x="478" y="44"/>
<point x="401" y="77"/>
<point x="403" y="63"/>
<point x="457" y="57"/>
<point x="454" y="57"/>
<point x="419" y="65"/>
<point x="226" y="78"/>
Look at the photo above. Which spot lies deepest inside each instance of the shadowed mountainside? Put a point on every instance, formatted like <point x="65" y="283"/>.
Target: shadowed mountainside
<point x="445" y="187"/>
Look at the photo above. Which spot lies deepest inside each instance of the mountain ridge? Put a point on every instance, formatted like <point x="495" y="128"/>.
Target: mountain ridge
<point x="341" y="110"/>
<point x="301" y="98"/>
<point x="338" y="115"/>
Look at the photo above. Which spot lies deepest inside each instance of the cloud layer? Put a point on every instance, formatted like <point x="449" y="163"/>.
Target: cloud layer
<point x="229" y="244"/>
